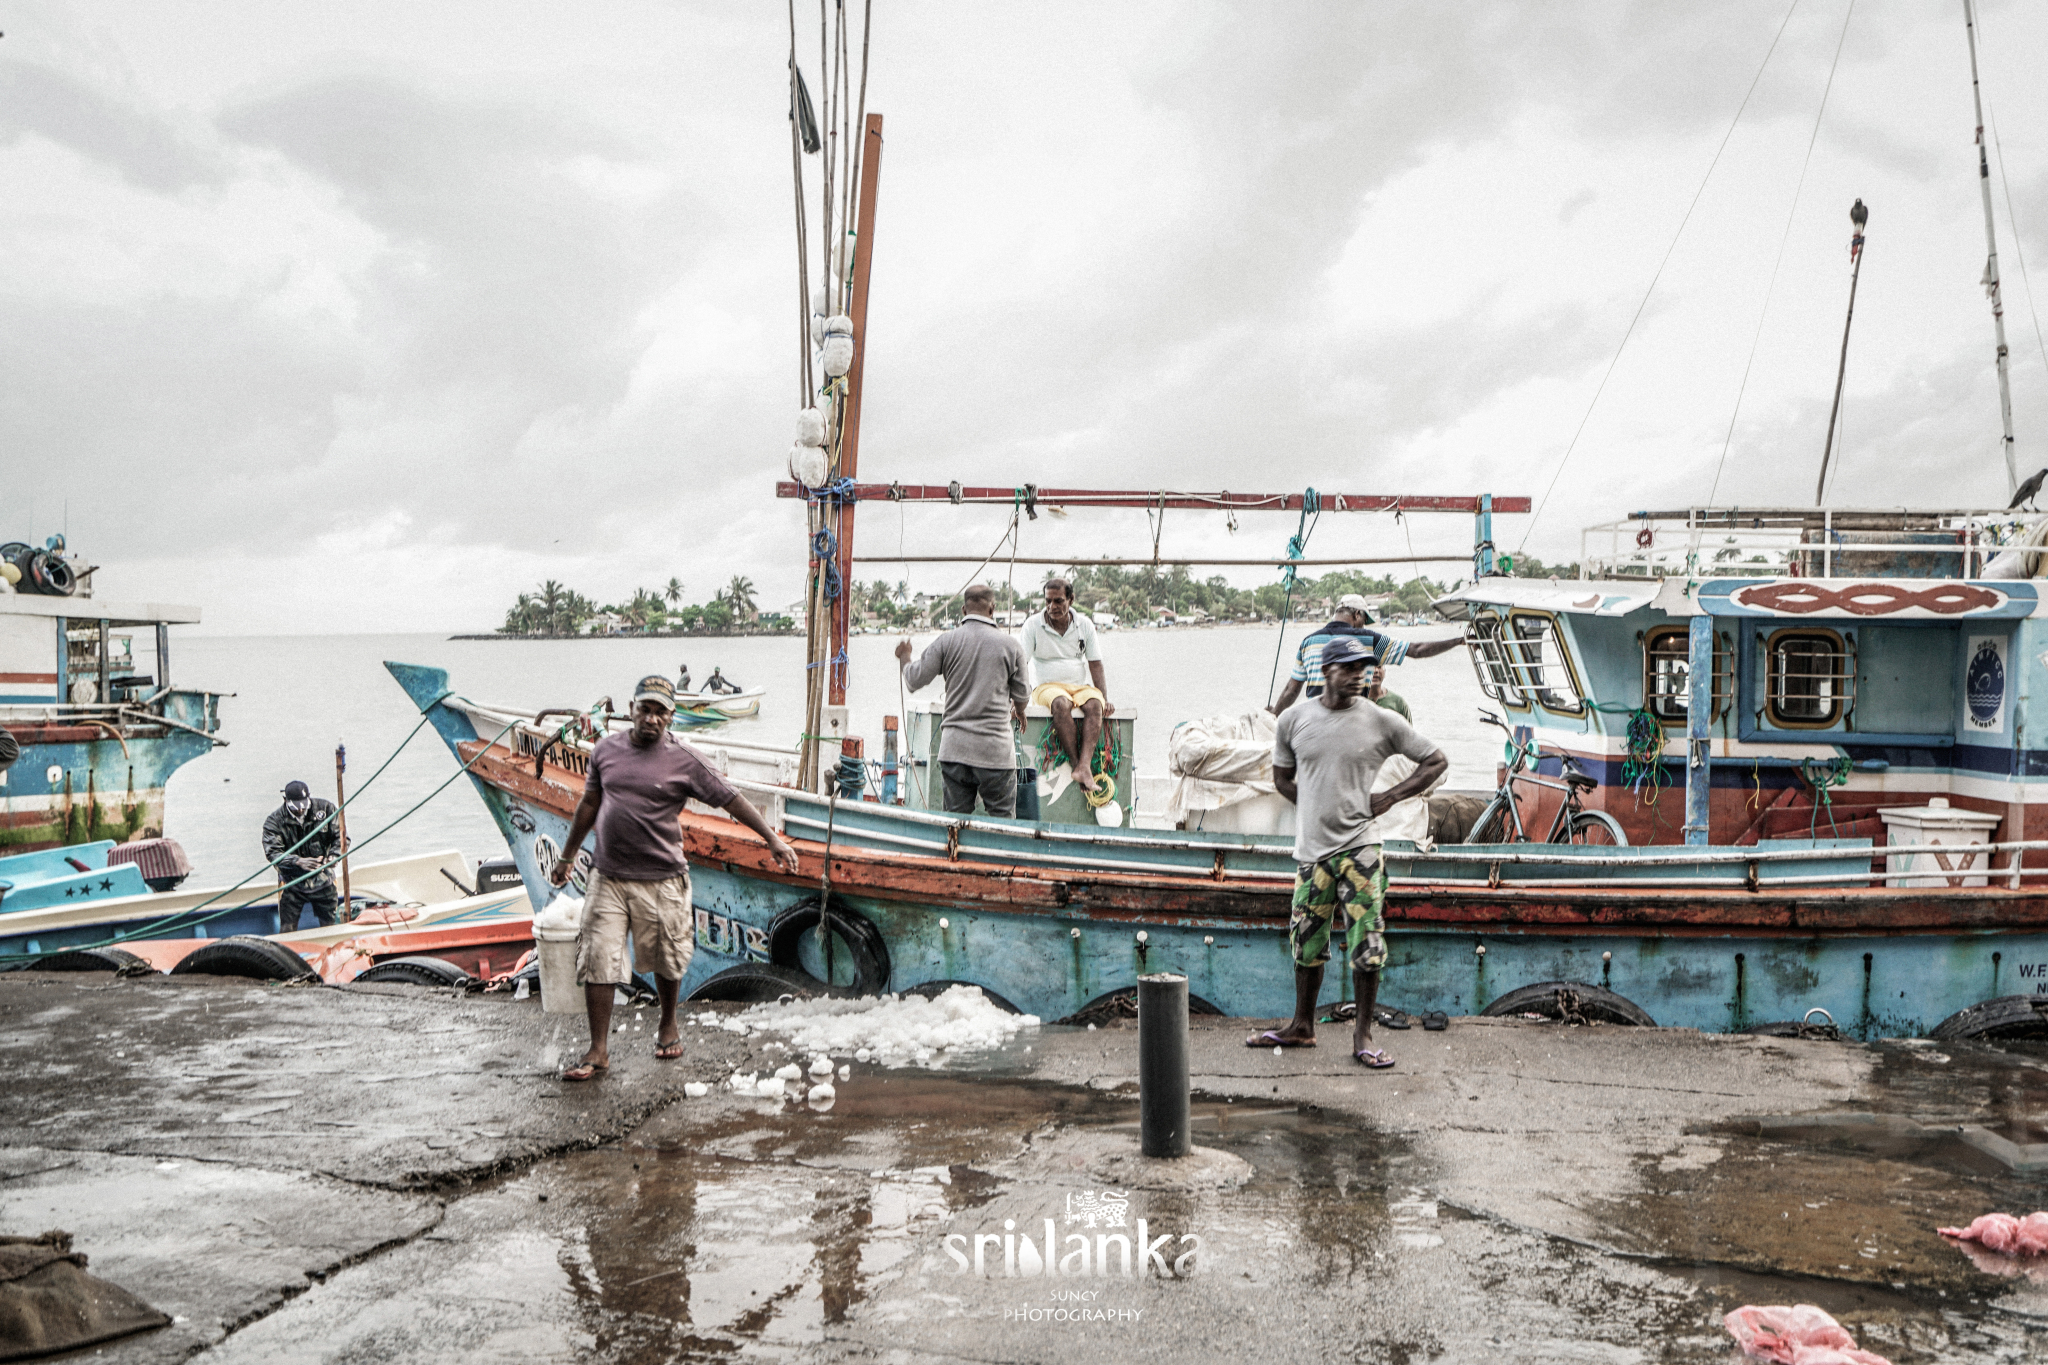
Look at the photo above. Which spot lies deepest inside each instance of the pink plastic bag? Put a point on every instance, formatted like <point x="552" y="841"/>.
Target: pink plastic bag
<point x="1798" y="1335"/>
<point x="2003" y="1233"/>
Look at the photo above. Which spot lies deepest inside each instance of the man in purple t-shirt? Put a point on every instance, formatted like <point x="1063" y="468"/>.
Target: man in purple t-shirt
<point x="633" y="796"/>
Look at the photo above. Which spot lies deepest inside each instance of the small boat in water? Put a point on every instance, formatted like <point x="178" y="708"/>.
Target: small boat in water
<point x="698" y="709"/>
<point x="111" y="904"/>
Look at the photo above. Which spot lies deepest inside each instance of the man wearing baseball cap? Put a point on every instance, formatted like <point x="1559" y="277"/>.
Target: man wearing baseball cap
<point x="640" y="884"/>
<point x="1326" y="755"/>
<point x="303" y="817"/>
<point x="1351" y="620"/>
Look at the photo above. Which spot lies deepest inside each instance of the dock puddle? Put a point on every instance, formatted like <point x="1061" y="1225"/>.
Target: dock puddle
<point x="931" y="1216"/>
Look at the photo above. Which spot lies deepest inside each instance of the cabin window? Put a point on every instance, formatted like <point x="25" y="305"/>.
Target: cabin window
<point x="1667" y="673"/>
<point x="1490" y="660"/>
<point x="1538" y="654"/>
<point x="1809" y="679"/>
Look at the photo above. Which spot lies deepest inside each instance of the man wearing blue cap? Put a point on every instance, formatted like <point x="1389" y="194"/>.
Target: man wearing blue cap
<point x="1327" y="752"/>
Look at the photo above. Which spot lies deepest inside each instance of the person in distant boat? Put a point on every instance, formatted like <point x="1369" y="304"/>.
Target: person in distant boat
<point x="633" y="796"/>
<point x="1326" y="755"/>
<point x="721" y="684"/>
<point x="1353" y="618"/>
<point x="299" y="838"/>
<point x="985" y="695"/>
<point x="1066" y="672"/>
<point x="683" y="682"/>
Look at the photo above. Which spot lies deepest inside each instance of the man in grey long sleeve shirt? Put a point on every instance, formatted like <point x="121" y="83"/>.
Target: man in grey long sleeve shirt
<point x="985" y="694"/>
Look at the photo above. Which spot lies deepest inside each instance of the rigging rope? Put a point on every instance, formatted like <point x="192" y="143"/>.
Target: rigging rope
<point x="1657" y="275"/>
<point x="1833" y="773"/>
<point x="1790" y="214"/>
<point x="1297" y="547"/>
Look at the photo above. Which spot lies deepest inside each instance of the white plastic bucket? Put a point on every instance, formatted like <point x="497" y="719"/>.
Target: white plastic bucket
<point x="559" y="993"/>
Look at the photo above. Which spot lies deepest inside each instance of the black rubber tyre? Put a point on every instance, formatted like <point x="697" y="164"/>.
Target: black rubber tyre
<point x="418" y="971"/>
<point x="51" y="576"/>
<point x="14" y="551"/>
<point x="1548" y="998"/>
<point x="2008" y="1016"/>
<point x="762" y="982"/>
<point x="91" y="960"/>
<point x="932" y="989"/>
<point x="246" y="955"/>
<point x="866" y="953"/>
<point x="1114" y="1006"/>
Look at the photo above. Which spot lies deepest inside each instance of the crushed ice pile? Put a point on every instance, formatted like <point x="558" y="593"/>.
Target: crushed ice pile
<point x="891" y="1029"/>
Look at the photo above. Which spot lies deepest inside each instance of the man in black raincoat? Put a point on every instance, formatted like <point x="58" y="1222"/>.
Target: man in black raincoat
<point x="287" y="825"/>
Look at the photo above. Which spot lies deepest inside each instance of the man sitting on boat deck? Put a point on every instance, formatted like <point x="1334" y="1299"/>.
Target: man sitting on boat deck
<point x="1066" y="672"/>
<point x="985" y="695"/>
<point x="1326" y="755"/>
<point x="633" y="796"/>
<point x="303" y="817"/>
<point x="1352" y="620"/>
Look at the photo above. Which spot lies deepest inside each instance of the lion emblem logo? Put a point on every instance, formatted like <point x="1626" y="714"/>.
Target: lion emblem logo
<point x="1091" y="1208"/>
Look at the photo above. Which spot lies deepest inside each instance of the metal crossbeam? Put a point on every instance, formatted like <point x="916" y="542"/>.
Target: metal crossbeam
<point x="1157" y="499"/>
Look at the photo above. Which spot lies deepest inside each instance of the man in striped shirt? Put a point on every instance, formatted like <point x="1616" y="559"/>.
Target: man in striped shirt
<point x="1352" y="620"/>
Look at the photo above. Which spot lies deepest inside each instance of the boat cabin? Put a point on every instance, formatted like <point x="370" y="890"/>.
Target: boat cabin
<point x="1861" y="662"/>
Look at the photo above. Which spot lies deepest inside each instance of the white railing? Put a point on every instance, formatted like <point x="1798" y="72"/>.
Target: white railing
<point x="1814" y="542"/>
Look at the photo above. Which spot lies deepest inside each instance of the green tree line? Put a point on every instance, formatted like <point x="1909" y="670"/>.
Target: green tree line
<point x="553" y="608"/>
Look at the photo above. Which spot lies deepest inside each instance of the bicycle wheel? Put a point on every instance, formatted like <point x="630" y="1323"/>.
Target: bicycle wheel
<point x="1494" y="826"/>
<point x="1594" y="828"/>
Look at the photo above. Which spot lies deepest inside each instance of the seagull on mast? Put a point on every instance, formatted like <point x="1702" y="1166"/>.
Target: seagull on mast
<point x="2028" y="491"/>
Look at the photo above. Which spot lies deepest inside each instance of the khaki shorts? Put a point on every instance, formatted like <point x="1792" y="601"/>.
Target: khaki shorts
<point x="1078" y="693"/>
<point x="656" y="913"/>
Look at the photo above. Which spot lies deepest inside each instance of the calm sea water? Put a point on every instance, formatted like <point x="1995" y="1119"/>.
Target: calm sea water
<point x="297" y="697"/>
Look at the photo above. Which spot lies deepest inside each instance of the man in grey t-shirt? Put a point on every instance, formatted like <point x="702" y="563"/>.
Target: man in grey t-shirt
<point x="985" y="692"/>
<point x="1327" y="752"/>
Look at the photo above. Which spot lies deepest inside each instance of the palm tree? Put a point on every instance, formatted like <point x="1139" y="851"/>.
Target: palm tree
<point x="551" y="604"/>
<point x="739" y="594"/>
<point x="674" y="591"/>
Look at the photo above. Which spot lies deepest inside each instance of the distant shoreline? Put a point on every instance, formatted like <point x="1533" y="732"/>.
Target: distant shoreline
<point x="899" y="632"/>
<point x="640" y="635"/>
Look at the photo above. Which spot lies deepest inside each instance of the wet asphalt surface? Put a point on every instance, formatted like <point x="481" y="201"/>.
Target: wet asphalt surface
<point x="393" y="1174"/>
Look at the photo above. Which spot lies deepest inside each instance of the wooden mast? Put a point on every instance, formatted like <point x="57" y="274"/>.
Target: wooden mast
<point x="849" y="439"/>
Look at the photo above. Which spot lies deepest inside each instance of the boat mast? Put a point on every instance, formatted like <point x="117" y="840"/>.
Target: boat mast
<point x="849" y="439"/>
<point x="1858" y="216"/>
<point x="2012" y="476"/>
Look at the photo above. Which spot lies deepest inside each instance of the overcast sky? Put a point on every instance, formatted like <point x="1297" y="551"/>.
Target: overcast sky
<point x="369" y="316"/>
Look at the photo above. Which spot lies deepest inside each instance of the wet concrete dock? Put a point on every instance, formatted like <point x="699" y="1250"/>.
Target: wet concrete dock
<point x="392" y="1173"/>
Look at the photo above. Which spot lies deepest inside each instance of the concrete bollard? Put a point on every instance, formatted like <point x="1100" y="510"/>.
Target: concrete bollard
<point x="1163" y="1065"/>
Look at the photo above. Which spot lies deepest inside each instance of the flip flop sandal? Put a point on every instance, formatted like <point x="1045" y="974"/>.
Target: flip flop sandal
<point x="669" y="1052"/>
<point x="1272" y="1038"/>
<point x="1393" y="1019"/>
<point x="1372" y="1057"/>
<point x="1342" y="1014"/>
<point x="585" y="1071"/>
<point x="1436" y="1021"/>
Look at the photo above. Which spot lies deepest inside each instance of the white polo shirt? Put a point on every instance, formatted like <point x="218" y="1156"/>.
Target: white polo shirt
<point x="1060" y="658"/>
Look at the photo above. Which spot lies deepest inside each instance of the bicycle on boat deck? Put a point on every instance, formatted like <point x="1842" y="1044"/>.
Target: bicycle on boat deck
<point x="1501" y="821"/>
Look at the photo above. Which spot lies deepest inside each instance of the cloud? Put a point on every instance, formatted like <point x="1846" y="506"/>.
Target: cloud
<point x="444" y="308"/>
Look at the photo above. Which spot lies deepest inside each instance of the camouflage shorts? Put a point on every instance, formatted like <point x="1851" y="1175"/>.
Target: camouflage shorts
<point x="1356" y="881"/>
